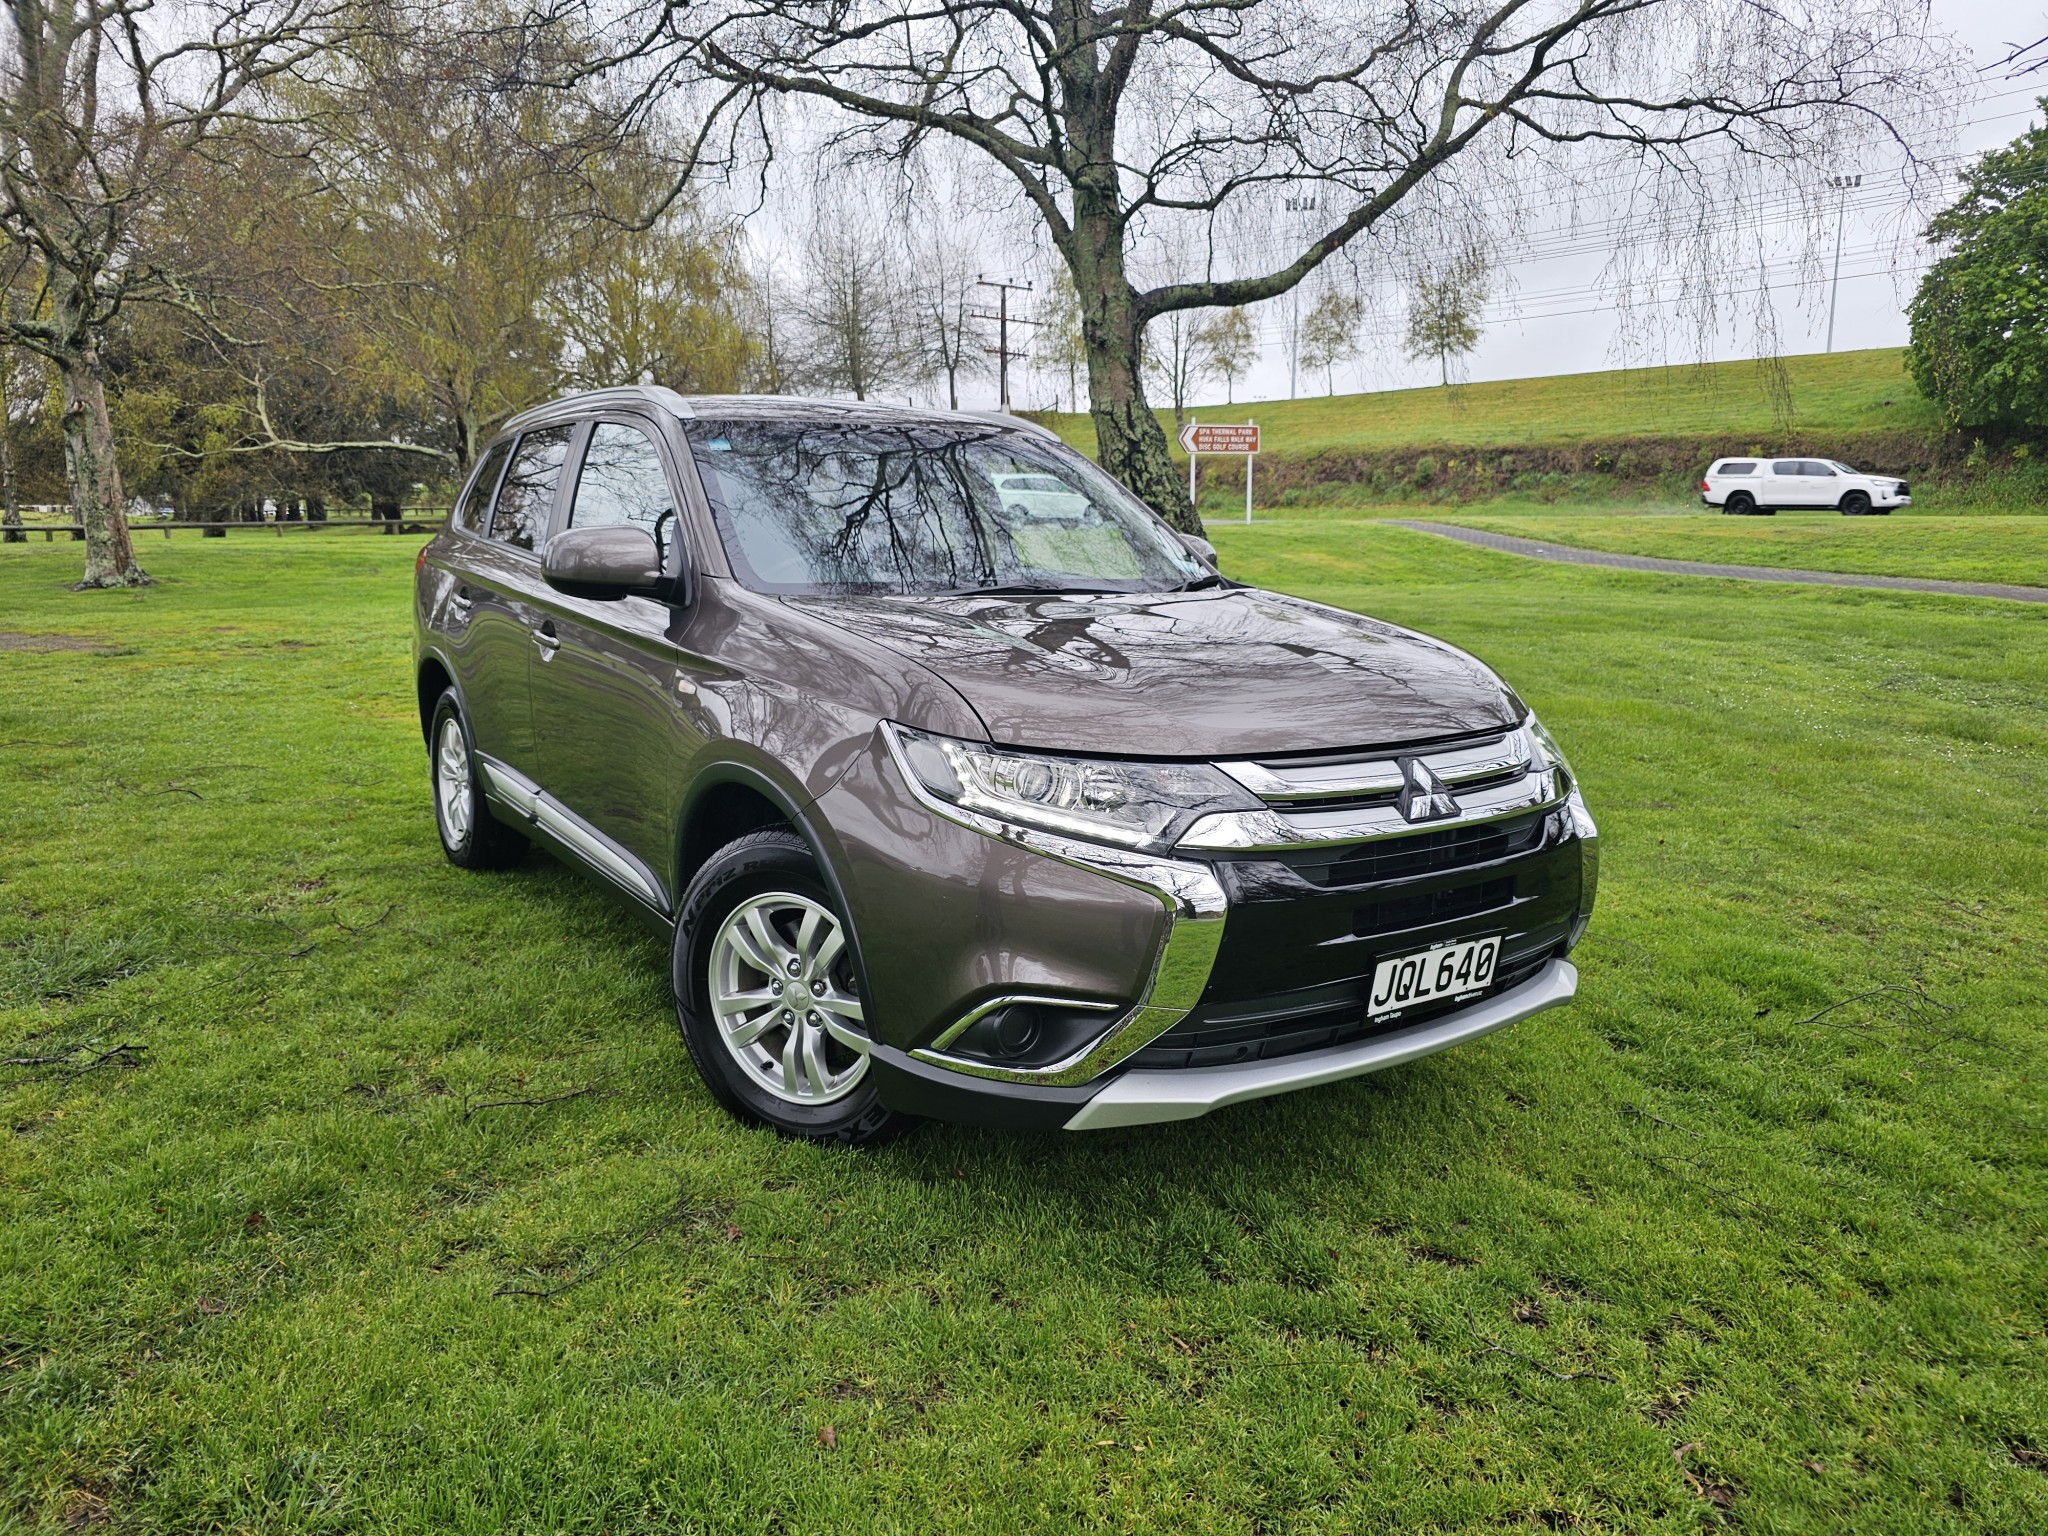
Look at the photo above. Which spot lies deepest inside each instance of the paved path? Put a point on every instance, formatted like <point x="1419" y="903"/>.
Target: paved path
<point x="1570" y="556"/>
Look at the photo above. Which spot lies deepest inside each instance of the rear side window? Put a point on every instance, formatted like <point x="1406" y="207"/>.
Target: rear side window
<point x="1788" y="467"/>
<point x="1737" y="467"/>
<point x="474" y="510"/>
<point x="622" y="481"/>
<point x="528" y="494"/>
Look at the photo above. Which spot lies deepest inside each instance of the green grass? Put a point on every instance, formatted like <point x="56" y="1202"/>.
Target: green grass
<point x="1751" y="1234"/>
<point x="2003" y="549"/>
<point x="1842" y="391"/>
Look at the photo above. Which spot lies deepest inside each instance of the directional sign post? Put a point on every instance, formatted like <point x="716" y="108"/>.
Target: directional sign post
<point x="1222" y="437"/>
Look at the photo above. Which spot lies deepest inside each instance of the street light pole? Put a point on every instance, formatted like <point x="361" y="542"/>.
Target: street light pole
<point x="1843" y="184"/>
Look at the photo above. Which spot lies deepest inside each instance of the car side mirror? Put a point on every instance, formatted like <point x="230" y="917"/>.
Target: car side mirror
<point x="1198" y="546"/>
<point x="603" y="563"/>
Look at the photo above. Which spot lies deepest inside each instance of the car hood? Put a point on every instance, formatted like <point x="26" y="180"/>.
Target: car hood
<point x="1227" y="673"/>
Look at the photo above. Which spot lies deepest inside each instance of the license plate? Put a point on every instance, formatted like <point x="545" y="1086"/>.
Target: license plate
<point x="1453" y="971"/>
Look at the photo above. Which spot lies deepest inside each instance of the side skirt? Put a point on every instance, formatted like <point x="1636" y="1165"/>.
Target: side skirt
<point x="534" y="810"/>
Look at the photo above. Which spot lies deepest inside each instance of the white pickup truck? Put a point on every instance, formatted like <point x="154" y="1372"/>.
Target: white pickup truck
<point x="1750" y="487"/>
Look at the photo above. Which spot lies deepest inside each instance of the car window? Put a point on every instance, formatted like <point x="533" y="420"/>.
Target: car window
<point x="838" y="506"/>
<point x="474" y="510"/>
<point x="622" y="481"/>
<point x="1787" y="467"/>
<point x="1815" y="467"/>
<point x="1737" y="467"/>
<point x="1845" y="469"/>
<point x="528" y="494"/>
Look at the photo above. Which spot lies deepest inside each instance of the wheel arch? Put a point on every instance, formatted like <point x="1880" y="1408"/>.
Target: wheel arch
<point x="730" y="799"/>
<point x="434" y="679"/>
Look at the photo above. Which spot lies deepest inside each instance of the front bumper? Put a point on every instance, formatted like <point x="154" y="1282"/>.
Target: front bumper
<point x="1141" y="1097"/>
<point x="1202" y="980"/>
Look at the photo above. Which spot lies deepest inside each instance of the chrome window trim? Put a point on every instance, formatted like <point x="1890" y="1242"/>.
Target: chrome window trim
<point x="1195" y="908"/>
<point x="1270" y="831"/>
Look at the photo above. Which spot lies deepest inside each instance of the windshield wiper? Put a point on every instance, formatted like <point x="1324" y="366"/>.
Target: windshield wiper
<point x="1020" y="589"/>
<point x="1206" y="579"/>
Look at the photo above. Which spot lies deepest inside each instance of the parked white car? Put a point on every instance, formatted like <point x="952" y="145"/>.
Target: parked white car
<point x="1749" y="487"/>
<point x="1040" y="496"/>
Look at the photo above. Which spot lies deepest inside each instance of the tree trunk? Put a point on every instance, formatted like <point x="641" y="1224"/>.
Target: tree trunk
<point x="385" y="509"/>
<point x="1130" y="443"/>
<point x="95" y="478"/>
<point x="316" y="509"/>
<point x="10" y="511"/>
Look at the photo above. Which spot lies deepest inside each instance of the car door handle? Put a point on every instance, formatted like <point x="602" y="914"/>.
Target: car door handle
<point x="462" y="602"/>
<point x="546" y="638"/>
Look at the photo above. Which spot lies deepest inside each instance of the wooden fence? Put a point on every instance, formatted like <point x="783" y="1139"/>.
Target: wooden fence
<point x="423" y="522"/>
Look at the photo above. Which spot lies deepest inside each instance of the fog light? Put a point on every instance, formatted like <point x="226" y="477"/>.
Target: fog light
<point x="1016" y="1030"/>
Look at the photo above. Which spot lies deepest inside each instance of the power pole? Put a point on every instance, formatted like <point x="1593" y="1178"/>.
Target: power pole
<point x="1845" y="185"/>
<point x="1001" y="349"/>
<point x="1305" y="209"/>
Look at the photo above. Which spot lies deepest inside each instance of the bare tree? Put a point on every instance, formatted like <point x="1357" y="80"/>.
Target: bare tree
<point x="1060" y="347"/>
<point x="1231" y="347"/>
<point x="1115" y="117"/>
<point x="1177" y="357"/>
<point x="1443" y="310"/>
<point x="102" y="105"/>
<point x="946" y="333"/>
<point x="854" y="333"/>
<point x="1329" y="335"/>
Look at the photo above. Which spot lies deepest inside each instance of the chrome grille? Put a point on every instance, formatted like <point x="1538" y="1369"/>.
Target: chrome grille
<point x="1360" y="798"/>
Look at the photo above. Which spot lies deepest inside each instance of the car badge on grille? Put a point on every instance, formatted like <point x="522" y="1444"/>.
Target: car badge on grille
<point x="1424" y="796"/>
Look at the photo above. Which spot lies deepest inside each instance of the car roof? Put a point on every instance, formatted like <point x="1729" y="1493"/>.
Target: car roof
<point x="756" y="408"/>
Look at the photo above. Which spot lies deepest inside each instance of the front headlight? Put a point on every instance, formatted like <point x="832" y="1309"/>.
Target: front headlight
<point x="1133" y="805"/>
<point x="1548" y="753"/>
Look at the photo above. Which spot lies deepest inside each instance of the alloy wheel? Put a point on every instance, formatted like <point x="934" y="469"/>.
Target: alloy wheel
<point x="452" y="780"/>
<point x="783" y="994"/>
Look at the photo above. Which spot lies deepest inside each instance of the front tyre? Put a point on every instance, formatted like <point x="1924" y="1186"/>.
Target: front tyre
<point x="1856" y="504"/>
<point x="767" y="997"/>
<point x="470" y="836"/>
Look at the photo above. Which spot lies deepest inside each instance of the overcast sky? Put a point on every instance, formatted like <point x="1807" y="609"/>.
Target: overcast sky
<point x="1553" y="317"/>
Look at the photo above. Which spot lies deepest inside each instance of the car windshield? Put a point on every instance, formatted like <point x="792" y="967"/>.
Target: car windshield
<point x="865" y="507"/>
<point x="1845" y="469"/>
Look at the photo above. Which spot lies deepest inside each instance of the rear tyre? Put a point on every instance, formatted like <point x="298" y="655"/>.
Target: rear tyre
<point x="768" y="999"/>
<point x="470" y="835"/>
<point x="1741" y="504"/>
<point x="1856" y="504"/>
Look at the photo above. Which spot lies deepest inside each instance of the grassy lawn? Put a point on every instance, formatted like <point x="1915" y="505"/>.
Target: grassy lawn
<point x="1830" y="392"/>
<point x="2006" y="549"/>
<point x="392" y="1204"/>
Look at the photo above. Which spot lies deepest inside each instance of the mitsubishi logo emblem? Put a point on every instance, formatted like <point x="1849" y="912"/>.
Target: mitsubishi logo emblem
<point x="1424" y="796"/>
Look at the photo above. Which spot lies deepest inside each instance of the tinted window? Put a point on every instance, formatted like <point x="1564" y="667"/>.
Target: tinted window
<point x="1815" y="467"/>
<point x="528" y="494"/>
<point x="1786" y="467"/>
<point x="622" y="481"/>
<point x="474" y="510"/>
<point x="837" y="506"/>
<point x="1738" y="467"/>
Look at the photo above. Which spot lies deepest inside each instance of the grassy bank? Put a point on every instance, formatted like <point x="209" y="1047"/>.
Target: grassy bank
<point x="1840" y="392"/>
<point x="1616" y="437"/>
<point x="346" y="1192"/>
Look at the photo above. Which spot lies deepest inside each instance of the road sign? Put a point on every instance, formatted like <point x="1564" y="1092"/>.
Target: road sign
<point x="1213" y="438"/>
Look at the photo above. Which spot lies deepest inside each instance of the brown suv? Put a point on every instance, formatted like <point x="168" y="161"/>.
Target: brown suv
<point x="968" y="788"/>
